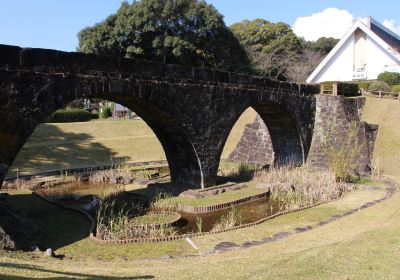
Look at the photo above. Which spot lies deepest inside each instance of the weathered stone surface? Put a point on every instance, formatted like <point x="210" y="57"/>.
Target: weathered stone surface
<point x="336" y="118"/>
<point x="255" y="145"/>
<point x="191" y="111"/>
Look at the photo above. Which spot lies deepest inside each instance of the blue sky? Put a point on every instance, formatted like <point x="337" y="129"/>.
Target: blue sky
<point x="55" y="23"/>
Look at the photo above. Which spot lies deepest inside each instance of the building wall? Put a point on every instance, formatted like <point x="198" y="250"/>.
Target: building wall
<point x="378" y="60"/>
<point x="353" y="53"/>
<point x="340" y="67"/>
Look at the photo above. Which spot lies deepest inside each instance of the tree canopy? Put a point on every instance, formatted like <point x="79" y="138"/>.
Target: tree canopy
<point x="272" y="46"/>
<point x="323" y="45"/>
<point x="391" y="78"/>
<point x="189" y="32"/>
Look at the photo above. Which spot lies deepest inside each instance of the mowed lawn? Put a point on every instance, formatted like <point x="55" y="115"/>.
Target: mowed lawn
<point x="58" y="146"/>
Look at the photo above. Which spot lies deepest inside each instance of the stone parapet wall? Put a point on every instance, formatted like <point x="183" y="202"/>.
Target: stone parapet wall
<point x="53" y="61"/>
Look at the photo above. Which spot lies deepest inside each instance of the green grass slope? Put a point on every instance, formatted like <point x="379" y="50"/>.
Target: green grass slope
<point x="385" y="113"/>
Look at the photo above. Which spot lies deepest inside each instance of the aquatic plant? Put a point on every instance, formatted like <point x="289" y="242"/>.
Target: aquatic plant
<point x="116" y="221"/>
<point x="231" y="219"/>
<point x="162" y="200"/>
<point x="199" y="224"/>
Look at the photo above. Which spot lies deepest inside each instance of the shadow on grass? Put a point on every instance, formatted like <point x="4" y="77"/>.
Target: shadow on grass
<point x="59" y="274"/>
<point x="33" y="221"/>
<point x="51" y="149"/>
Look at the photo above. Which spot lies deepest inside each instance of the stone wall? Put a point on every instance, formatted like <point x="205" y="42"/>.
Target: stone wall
<point x="255" y="145"/>
<point x="338" y="127"/>
<point x="336" y="118"/>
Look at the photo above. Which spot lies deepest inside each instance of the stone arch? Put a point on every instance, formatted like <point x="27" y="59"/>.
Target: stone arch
<point x="276" y="120"/>
<point x="33" y="97"/>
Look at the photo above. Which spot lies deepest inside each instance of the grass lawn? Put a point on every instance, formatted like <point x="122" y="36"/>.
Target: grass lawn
<point x="365" y="245"/>
<point x="57" y="227"/>
<point x="58" y="146"/>
<point x="85" y="259"/>
<point x="220" y="198"/>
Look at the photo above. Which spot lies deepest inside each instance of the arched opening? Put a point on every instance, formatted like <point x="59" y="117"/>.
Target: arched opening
<point x="71" y="140"/>
<point x="263" y="135"/>
<point x="41" y="101"/>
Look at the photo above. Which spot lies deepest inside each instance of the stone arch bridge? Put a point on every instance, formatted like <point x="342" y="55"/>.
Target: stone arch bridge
<point x="190" y="110"/>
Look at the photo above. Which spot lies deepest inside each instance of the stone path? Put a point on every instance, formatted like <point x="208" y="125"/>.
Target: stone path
<point x="227" y="246"/>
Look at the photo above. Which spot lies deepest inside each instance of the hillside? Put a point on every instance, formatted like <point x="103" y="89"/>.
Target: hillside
<point x="385" y="113"/>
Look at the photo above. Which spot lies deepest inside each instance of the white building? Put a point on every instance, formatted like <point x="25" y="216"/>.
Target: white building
<point x="365" y="51"/>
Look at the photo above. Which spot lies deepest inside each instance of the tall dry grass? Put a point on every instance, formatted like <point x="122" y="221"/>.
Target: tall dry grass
<point x="299" y="187"/>
<point x="117" y="220"/>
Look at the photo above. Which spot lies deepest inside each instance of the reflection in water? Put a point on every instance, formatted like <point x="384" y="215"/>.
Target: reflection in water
<point x="250" y="212"/>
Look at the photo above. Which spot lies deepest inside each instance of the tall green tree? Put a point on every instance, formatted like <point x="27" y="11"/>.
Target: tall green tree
<point x="189" y="32"/>
<point x="323" y="45"/>
<point x="273" y="47"/>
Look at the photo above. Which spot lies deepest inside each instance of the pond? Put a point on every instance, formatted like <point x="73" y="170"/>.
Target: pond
<point x="83" y="194"/>
<point x="249" y="213"/>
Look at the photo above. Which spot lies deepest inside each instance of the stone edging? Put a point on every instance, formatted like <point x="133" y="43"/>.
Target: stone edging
<point x="393" y="187"/>
<point x="190" y="235"/>
<point x="211" y="208"/>
<point x="85" y="169"/>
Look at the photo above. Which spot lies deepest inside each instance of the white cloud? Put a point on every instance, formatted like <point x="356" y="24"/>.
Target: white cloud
<point x="331" y="22"/>
<point x="391" y="24"/>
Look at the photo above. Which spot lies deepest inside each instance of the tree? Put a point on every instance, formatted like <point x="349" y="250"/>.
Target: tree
<point x="323" y="45"/>
<point x="189" y="32"/>
<point x="271" y="46"/>
<point x="391" y="78"/>
<point x="311" y="55"/>
<point x="300" y="70"/>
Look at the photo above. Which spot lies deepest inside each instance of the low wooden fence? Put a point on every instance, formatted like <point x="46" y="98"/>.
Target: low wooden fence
<point x="205" y="209"/>
<point x="381" y="94"/>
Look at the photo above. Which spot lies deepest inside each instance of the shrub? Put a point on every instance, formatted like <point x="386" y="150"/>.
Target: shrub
<point x="396" y="88"/>
<point x="71" y="115"/>
<point x="391" y="78"/>
<point x="378" y="85"/>
<point x="364" y="84"/>
<point x="105" y="113"/>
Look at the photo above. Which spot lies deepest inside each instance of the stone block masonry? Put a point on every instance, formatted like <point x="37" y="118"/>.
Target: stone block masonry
<point x="335" y="117"/>
<point x="255" y="146"/>
<point x="190" y="110"/>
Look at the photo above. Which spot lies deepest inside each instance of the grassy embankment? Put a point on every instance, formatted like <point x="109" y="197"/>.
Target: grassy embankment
<point x="363" y="245"/>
